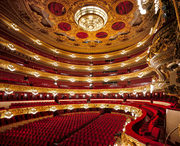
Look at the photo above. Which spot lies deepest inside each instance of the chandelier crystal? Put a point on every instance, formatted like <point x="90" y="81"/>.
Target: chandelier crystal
<point x="91" y="18"/>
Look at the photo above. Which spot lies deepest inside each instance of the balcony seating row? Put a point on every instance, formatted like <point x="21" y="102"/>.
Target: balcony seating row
<point x="30" y="64"/>
<point x="66" y="60"/>
<point x="12" y="78"/>
<point x="31" y="104"/>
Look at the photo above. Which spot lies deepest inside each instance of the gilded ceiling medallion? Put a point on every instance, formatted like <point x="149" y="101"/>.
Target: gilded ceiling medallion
<point x="98" y="25"/>
<point x="91" y="18"/>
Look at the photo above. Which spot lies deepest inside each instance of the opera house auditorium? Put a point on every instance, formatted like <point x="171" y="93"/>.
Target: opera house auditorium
<point x="89" y="72"/>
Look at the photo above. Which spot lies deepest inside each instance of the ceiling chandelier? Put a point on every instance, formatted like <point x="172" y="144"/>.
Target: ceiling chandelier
<point x="91" y="18"/>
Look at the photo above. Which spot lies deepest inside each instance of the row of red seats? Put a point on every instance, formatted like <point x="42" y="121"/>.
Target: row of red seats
<point x="40" y="67"/>
<point x="18" y="118"/>
<point x="99" y="132"/>
<point x="46" y="131"/>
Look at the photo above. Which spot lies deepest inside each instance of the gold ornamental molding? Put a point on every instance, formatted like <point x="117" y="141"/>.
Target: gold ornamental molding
<point x="21" y="88"/>
<point x="33" y="72"/>
<point x="71" y="7"/>
<point x="34" y="110"/>
<point x="56" y="64"/>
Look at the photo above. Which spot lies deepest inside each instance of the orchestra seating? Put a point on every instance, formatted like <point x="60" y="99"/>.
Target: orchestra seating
<point x="46" y="131"/>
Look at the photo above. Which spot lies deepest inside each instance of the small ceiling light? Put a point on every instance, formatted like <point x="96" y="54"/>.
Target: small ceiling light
<point x="90" y="57"/>
<point x="106" y="67"/>
<point x="36" y="57"/>
<point x="38" y="42"/>
<point x="15" y="27"/>
<point x="55" y="63"/>
<point x="11" y="47"/>
<point x="73" y="56"/>
<point x="11" y="67"/>
<point x="72" y="80"/>
<point x="36" y="74"/>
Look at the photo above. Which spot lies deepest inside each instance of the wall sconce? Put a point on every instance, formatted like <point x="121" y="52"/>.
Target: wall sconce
<point x="38" y="42"/>
<point x="90" y="57"/>
<point x="72" y="80"/>
<point x="70" y="107"/>
<point x="8" y="115"/>
<point x="36" y="57"/>
<point x="15" y="27"/>
<point x="35" y="92"/>
<point x="73" y="56"/>
<point x="106" y="67"/>
<point x="54" y="93"/>
<point x="86" y="106"/>
<point x="36" y="74"/>
<point x="89" y="80"/>
<point x="102" y="106"/>
<point x="33" y="111"/>
<point x="55" y="63"/>
<point x="123" y="52"/>
<point x="11" y="67"/>
<point x="106" y="56"/>
<point x="53" y="109"/>
<point x="117" y="107"/>
<point x="11" y="47"/>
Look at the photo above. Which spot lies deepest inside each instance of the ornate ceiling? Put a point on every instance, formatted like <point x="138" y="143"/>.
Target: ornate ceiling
<point x="53" y="22"/>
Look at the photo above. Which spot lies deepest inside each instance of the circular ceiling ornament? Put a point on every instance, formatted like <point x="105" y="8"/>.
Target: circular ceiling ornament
<point x="118" y="25"/>
<point x="64" y="26"/>
<point x="56" y="8"/>
<point x="82" y="35"/>
<point x="101" y="35"/>
<point x="91" y="18"/>
<point x="124" y="7"/>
